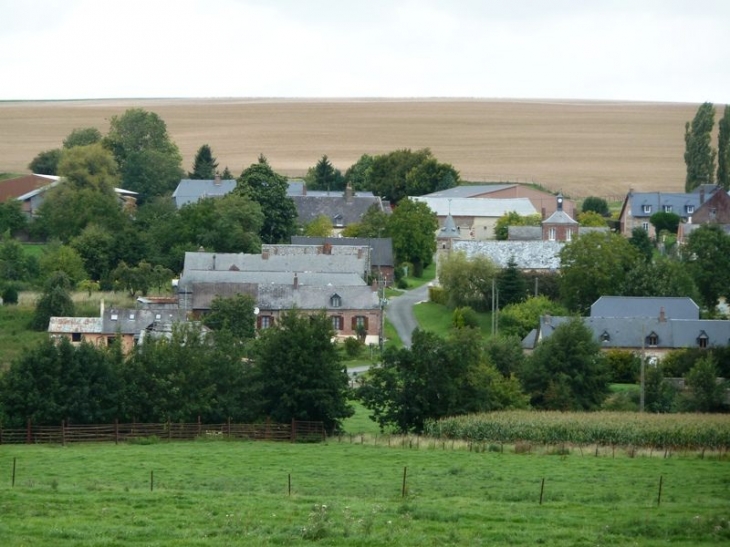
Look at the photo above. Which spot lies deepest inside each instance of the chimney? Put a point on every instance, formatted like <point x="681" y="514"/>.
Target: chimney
<point x="543" y="213"/>
<point x="101" y="309"/>
<point x="304" y="189"/>
<point x="213" y="262"/>
<point x="702" y="194"/>
<point x="217" y="180"/>
<point x="296" y="281"/>
<point x="662" y="315"/>
<point x="265" y="254"/>
<point x="359" y="252"/>
<point x="348" y="193"/>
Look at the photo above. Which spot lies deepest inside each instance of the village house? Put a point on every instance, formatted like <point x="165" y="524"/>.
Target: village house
<point x="380" y="249"/>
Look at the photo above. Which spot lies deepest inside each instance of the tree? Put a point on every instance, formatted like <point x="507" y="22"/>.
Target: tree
<point x="89" y="167"/>
<point x="388" y="172"/>
<point x="319" y="227"/>
<point x="660" y="277"/>
<point x="706" y="393"/>
<point x="46" y="162"/>
<point x="134" y="279"/>
<point x="699" y="156"/>
<point x="596" y="205"/>
<point x="659" y="394"/>
<point x="723" y="150"/>
<point x="413" y="229"/>
<point x="261" y="184"/>
<point x="324" y="176"/>
<point x="57" y="257"/>
<point x="642" y="242"/>
<point x="520" y="318"/>
<point x="436" y="377"/>
<point x="14" y="264"/>
<point x="374" y="223"/>
<point x="501" y="227"/>
<point x="593" y="265"/>
<point x="511" y="284"/>
<point x="235" y="314"/>
<point x="12" y="218"/>
<point x="204" y="165"/>
<point x="706" y="256"/>
<point x="96" y="246"/>
<point x="505" y="353"/>
<point x="567" y="370"/>
<point x="149" y="162"/>
<point x="430" y="176"/>
<point x="300" y="371"/>
<point x="467" y="281"/>
<point x="665" y="221"/>
<point x="358" y="174"/>
<point x="82" y="137"/>
<point x="592" y="219"/>
<point x="54" y="302"/>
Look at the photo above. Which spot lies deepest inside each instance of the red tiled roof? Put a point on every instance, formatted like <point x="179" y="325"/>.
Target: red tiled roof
<point x="13" y="188"/>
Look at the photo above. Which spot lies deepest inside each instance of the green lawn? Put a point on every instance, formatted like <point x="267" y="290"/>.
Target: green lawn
<point x="237" y="493"/>
<point x="14" y="333"/>
<point x="429" y="274"/>
<point x="439" y="319"/>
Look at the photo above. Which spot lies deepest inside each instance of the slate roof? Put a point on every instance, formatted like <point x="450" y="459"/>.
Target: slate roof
<point x="633" y="332"/>
<point x="683" y="204"/>
<point x="529" y="255"/>
<point x="115" y="320"/>
<point x="560" y="217"/>
<point x="640" y="306"/>
<point x="300" y="262"/>
<point x="381" y="248"/>
<point x="69" y="325"/>
<point x="193" y="190"/>
<point x="341" y="211"/>
<point x="524" y="233"/>
<point x="191" y="278"/>
<point x="483" y="207"/>
<point x="449" y="230"/>
<point x="469" y="190"/>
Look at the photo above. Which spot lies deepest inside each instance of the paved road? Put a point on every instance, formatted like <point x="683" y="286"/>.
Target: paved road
<point x="400" y="312"/>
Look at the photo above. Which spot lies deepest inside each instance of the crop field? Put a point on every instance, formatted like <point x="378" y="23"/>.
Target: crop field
<point x="335" y="493"/>
<point x="581" y="148"/>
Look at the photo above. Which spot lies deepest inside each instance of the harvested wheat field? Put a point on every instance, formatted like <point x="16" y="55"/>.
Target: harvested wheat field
<point x="579" y="147"/>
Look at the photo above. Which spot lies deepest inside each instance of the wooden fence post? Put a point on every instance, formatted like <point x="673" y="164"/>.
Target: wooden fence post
<point x="228" y="425"/>
<point x="63" y="432"/>
<point x="542" y="489"/>
<point x="116" y="430"/>
<point x="12" y="483"/>
<point x="200" y="426"/>
<point x="152" y="481"/>
<point x="659" y="496"/>
<point x="403" y="489"/>
<point x="293" y="432"/>
<point x="28" y="435"/>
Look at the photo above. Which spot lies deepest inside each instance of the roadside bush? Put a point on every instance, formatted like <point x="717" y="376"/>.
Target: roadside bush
<point x="402" y="283"/>
<point x="438" y="295"/>
<point x="9" y="295"/>
<point x="465" y="317"/>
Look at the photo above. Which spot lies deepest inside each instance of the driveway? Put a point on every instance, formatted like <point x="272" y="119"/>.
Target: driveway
<point x="400" y="312"/>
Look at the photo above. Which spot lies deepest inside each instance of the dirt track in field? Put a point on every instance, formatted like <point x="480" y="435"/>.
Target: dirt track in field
<point x="582" y="148"/>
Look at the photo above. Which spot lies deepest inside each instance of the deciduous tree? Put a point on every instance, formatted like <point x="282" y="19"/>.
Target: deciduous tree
<point x="46" y="162"/>
<point x="235" y="314"/>
<point x="467" y="281"/>
<point x="706" y="256"/>
<point x="723" y="150"/>
<point x="358" y="174"/>
<point x="413" y="229"/>
<point x="596" y="205"/>
<point x="82" y="136"/>
<point x="501" y="227"/>
<point x="520" y="318"/>
<point x="54" y="302"/>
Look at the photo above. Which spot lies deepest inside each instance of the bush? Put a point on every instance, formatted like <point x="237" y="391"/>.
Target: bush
<point x="402" y="284"/>
<point x="438" y="295"/>
<point x="9" y="295"/>
<point x="624" y="367"/>
<point x="353" y="347"/>
<point x="465" y="317"/>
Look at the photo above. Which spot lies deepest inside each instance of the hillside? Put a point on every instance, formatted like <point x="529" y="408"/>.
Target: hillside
<point x="582" y="148"/>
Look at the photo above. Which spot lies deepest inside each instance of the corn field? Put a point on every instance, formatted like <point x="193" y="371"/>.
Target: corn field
<point x="656" y="431"/>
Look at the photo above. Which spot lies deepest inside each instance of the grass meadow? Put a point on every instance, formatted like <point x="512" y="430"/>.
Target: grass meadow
<point x="238" y="493"/>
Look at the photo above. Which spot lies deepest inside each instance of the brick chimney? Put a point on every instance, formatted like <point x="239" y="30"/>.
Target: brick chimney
<point x="217" y="180"/>
<point x="348" y="193"/>
<point x="265" y="254"/>
<point x="662" y="315"/>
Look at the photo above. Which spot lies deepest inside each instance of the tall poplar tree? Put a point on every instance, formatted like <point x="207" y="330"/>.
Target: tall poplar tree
<point x="723" y="150"/>
<point x="699" y="154"/>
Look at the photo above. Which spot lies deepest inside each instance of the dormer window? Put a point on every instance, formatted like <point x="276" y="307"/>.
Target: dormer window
<point x="652" y="339"/>
<point x="337" y="221"/>
<point x="605" y="337"/>
<point x="646" y="209"/>
<point x="667" y="208"/>
<point x="702" y="339"/>
<point x="689" y="209"/>
<point x="114" y="317"/>
<point x="335" y="300"/>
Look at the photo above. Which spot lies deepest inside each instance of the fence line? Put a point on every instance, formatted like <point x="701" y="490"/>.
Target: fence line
<point x="296" y="431"/>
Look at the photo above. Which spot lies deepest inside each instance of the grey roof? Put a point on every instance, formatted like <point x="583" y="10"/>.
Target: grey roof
<point x="381" y="248"/>
<point x="283" y="296"/>
<point x="449" y="230"/>
<point x="193" y="190"/>
<point x="634" y="332"/>
<point x="524" y="233"/>
<point x="529" y="255"/>
<point x="469" y="190"/>
<point x="341" y="211"/>
<point x="322" y="279"/>
<point x="298" y="188"/>
<point x="657" y="201"/>
<point x="115" y="320"/>
<point x="304" y="259"/>
<point x="560" y="217"/>
<point x="640" y="306"/>
<point x="483" y="207"/>
<point x="689" y="228"/>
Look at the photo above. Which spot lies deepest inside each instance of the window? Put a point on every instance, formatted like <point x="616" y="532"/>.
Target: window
<point x="667" y="208"/>
<point x="131" y="316"/>
<point x="335" y="300"/>
<point x="646" y="209"/>
<point x="359" y="321"/>
<point x="702" y="339"/>
<point x="652" y="339"/>
<point x="76" y="337"/>
<point x="690" y="209"/>
<point x="265" y="321"/>
<point x="605" y="337"/>
<point x="114" y="317"/>
<point x="569" y="235"/>
<point x="110" y="340"/>
<point x="645" y="226"/>
<point x="337" y="322"/>
<point x="551" y="234"/>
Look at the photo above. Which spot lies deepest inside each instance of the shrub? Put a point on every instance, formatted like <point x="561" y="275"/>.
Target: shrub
<point x="353" y="347"/>
<point x="624" y="366"/>
<point x="465" y="317"/>
<point x="402" y="283"/>
<point x="438" y="295"/>
<point x="10" y="295"/>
